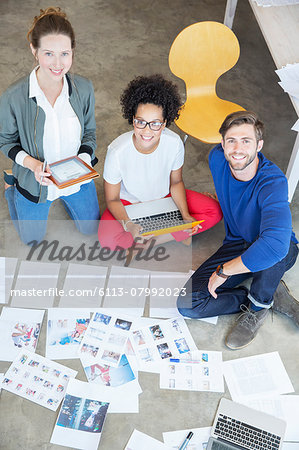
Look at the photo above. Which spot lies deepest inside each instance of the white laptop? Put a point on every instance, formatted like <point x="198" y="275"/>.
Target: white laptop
<point x="158" y="216"/>
<point x="238" y="427"/>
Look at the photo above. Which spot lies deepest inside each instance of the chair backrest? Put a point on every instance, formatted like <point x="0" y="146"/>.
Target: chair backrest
<point x="199" y="55"/>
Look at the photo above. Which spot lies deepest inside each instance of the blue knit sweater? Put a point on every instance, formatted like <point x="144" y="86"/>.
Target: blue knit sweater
<point x="256" y="210"/>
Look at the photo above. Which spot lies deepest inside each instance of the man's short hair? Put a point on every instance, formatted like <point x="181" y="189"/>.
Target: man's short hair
<point x="239" y="118"/>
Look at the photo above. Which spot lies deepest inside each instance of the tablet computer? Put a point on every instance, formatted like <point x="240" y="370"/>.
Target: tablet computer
<point x="69" y="171"/>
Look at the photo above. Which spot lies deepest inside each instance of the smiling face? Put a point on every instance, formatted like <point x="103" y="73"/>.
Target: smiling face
<point x="241" y="151"/>
<point x="55" y="57"/>
<point x="147" y="140"/>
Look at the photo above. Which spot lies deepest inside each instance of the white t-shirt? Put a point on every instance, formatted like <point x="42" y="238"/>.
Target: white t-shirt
<point x="143" y="177"/>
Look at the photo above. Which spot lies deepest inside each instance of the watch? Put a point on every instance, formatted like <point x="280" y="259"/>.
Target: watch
<point x="219" y="272"/>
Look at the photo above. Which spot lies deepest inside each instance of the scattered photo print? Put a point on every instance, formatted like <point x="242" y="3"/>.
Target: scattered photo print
<point x="156" y="332"/>
<point x="182" y="345"/>
<point x="123" y="324"/>
<point x="66" y="331"/>
<point x="90" y="350"/>
<point x="110" y="356"/>
<point x="175" y="324"/>
<point x="171" y="383"/>
<point x="82" y="414"/>
<point x="25" y="335"/>
<point x="146" y="354"/>
<point x="164" y="351"/>
<point x="138" y="337"/>
<point x="102" y="318"/>
<point x="110" y="376"/>
<point x="205" y="371"/>
<point x="205" y="357"/>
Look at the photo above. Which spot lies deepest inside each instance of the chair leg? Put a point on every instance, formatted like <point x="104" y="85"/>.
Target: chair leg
<point x="185" y="139"/>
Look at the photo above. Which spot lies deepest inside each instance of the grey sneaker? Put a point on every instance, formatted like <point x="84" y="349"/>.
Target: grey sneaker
<point x="246" y="327"/>
<point x="285" y="303"/>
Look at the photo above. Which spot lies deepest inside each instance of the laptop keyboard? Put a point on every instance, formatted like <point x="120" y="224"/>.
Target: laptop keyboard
<point x="245" y="435"/>
<point x="160" y="221"/>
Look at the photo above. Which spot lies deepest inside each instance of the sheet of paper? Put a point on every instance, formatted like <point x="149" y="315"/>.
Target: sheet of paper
<point x="65" y="330"/>
<point x="83" y="286"/>
<point x="276" y="2"/>
<point x="201" y="371"/>
<point x="164" y="290"/>
<point x="36" y="285"/>
<point x="198" y="441"/>
<point x="157" y="343"/>
<point x="7" y="272"/>
<point x="285" y="407"/>
<point x="122" y="399"/>
<point x="143" y="441"/>
<point x="108" y="375"/>
<point x="19" y="328"/>
<point x="81" y="418"/>
<point x="290" y="446"/>
<point x="37" y="379"/>
<point x="256" y="376"/>
<point x="127" y="289"/>
<point x="105" y="339"/>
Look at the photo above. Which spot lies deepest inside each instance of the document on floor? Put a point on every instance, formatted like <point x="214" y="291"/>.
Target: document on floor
<point x="7" y="272"/>
<point x="81" y="418"/>
<point x="65" y="330"/>
<point x="164" y="290"/>
<point x="285" y="407"/>
<point x="36" y="285"/>
<point x="105" y="339"/>
<point x="199" y="441"/>
<point x="143" y="441"/>
<point x="19" y="328"/>
<point x="83" y="285"/>
<point x="123" y="399"/>
<point x="201" y="371"/>
<point x="256" y="376"/>
<point x="157" y="343"/>
<point x="126" y="290"/>
<point x="37" y="379"/>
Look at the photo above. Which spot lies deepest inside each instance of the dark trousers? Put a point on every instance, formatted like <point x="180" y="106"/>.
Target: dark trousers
<point x="196" y="301"/>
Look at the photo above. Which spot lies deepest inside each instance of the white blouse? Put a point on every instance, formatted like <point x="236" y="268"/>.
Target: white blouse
<point x="62" y="132"/>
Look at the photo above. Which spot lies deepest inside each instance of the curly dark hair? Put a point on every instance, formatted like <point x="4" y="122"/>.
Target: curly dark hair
<point x="153" y="89"/>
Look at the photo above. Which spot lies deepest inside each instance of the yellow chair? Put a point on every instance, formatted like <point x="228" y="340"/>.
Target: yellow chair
<point x="199" y="55"/>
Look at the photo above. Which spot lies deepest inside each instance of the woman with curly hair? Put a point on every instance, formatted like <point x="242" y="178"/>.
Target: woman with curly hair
<point x="146" y="164"/>
<point x="45" y="117"/>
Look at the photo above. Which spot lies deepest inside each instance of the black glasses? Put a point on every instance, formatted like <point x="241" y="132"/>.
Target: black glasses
<point x="155" y="125"/>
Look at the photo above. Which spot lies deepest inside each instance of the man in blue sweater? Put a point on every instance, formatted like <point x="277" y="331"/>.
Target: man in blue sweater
<point x="259" y="242"/>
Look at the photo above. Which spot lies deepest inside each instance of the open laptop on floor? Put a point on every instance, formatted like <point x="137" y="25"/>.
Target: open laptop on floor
<point x="158" y="216"/>
<point x="238" y="427"/>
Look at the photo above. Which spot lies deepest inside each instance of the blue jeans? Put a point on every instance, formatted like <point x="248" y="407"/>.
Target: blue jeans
<point x="199" y="303"/>
<point x="30" y="219"/>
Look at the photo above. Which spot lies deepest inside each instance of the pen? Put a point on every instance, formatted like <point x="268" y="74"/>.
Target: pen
<point x="186" y="441"/>
<point x="44" y="166"/>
